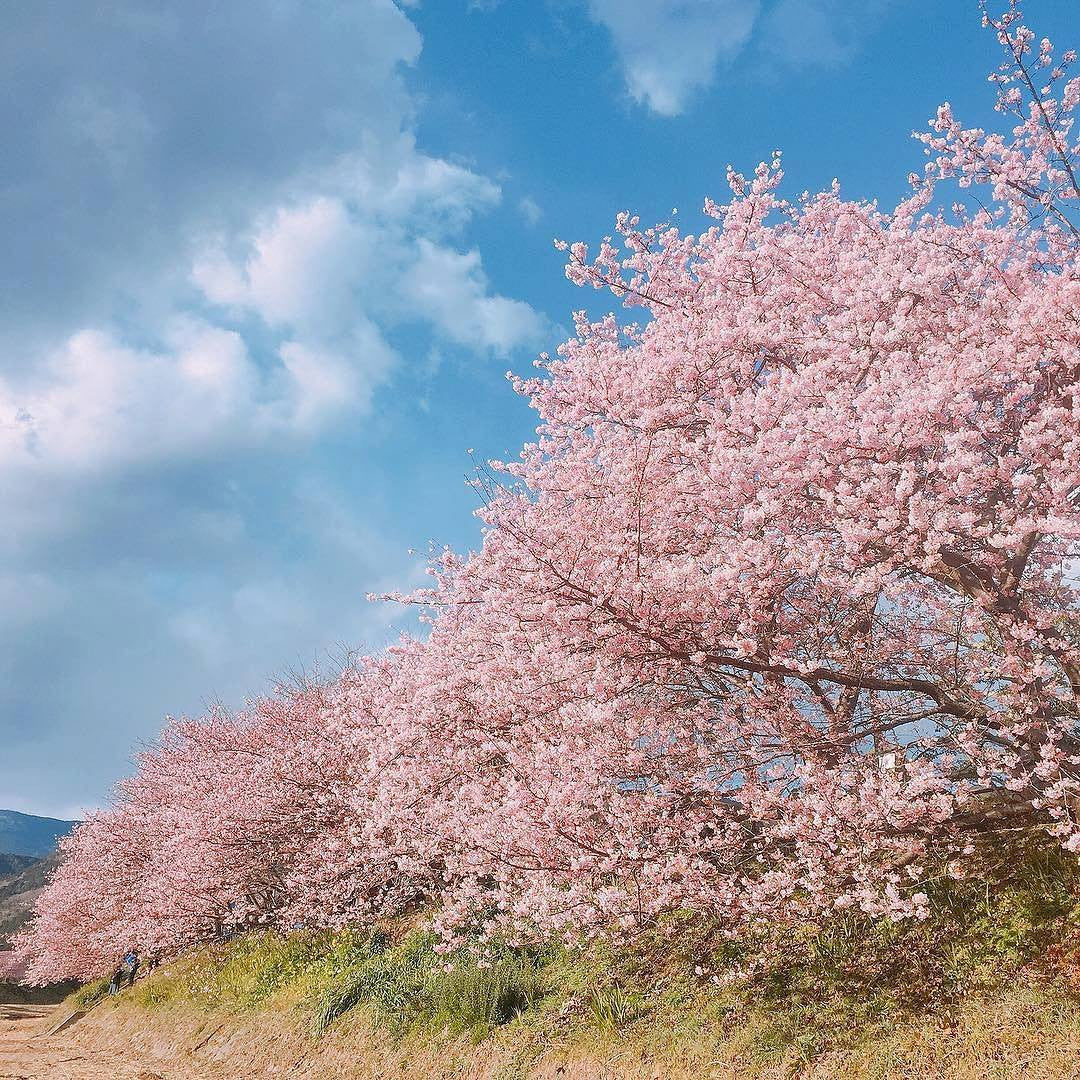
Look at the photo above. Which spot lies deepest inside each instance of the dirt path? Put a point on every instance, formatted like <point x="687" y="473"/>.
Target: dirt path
<point x="25" y="1057"/>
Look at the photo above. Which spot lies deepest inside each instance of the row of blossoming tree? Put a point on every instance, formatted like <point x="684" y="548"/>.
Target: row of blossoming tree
<point x="777" y="616"/>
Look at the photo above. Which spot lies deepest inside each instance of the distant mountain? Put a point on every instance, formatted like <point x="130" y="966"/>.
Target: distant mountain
<point x="25" y="834"/>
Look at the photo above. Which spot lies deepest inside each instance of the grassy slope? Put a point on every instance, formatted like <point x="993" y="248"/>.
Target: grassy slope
<point x="19" y="891"/>
<point x="986" y="987"/>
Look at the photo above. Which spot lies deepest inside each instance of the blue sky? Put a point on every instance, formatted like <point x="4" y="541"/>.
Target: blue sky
<point x="266" y="265"/>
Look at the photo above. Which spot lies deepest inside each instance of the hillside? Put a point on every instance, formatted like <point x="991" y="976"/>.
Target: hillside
<point x="19" y="891"/>
<point x="27" y="858"/>
<point x="14" y="864"/>
<point x="27" y="834"/>
<point x="1027" y="1033"/>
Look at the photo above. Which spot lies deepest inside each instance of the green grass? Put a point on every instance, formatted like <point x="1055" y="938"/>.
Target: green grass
<point x="257" y="966"/>
<point x="411" y="984"/>
<point x="86" y="997"/>
<point x="611" y="1007"/>
<point x="241" y="974"/>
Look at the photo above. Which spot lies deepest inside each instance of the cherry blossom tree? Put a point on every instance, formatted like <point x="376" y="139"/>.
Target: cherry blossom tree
<point x="259" y="820"/>
<point x="777" y="616"/>
<point x="781" y="608"/>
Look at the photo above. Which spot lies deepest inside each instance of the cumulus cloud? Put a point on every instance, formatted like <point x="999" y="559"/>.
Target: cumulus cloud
<point x="134" y="129"/>
<point x="297" y="271"/>
<point x="333" y="257"/>
<point x="669" y="49"/>
<point x="451" y="289"/>
<point x="372" y="243"/>
<point x="321" y="272"/>
<point x="101" y="403"/>
<point x="395" y="181"/>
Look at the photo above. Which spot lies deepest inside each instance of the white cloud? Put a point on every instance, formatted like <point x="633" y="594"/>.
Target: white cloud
<point x="372" y="244"/>
<point x="297" y="272"/>
<point x="669" y="49"/>
<point x="394" y="180"/>
<point x="209" y="258"/>
<point x="298" y="283"/>
<point x="451" y="289"/>
<point x="322" y="383"/>
<point x="103" y="403"/>
<point x="129" y="133"/>
<point x="530" y="209"/>
<point x="353" y="251"/>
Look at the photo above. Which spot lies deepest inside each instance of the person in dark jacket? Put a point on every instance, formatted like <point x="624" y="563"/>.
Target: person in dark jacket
<point x="125" y="972"/>
<point x="129" y="965"/>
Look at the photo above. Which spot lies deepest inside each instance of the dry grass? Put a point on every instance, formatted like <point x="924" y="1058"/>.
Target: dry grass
<point x="1026" y="1033"/>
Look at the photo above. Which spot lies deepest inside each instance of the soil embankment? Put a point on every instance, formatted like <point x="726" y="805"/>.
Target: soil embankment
<point x="26" y="1055"/>
<point x="128" y="1043"/>
<point x="122" y="1040"/>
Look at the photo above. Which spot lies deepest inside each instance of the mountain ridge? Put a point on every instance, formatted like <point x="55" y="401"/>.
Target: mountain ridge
<point x="30" y="835"/>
